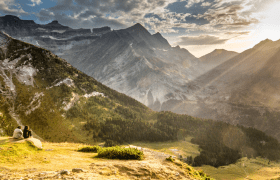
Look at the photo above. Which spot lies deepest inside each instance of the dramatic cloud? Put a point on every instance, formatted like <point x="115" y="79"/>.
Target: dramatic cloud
<point x="11" y="7"/>
<point x="205" y="4"/>
<point x="200" y="40"/>
<point x="165" y="16"/>
<point x="35" y="2"/>
<point x="172" y="18"/>
<point x="114" y="13"/>
<point x="238" y="33"/>
<point x="229" y="17"/>
<point x="192" y="2"/>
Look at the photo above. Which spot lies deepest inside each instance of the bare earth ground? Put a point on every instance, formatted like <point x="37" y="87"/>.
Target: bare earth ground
<point x="55" y="157"/>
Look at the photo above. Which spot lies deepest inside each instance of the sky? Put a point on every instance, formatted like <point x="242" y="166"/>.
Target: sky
<point x="200" y="26"/>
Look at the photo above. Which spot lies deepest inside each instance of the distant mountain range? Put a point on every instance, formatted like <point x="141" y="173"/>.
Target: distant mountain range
<point x="52" y="36"/>
<point x="222" y="85"/>
<point x="242" y="90"/>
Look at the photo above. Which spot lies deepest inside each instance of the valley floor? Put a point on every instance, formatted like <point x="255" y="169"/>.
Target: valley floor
<point x="256" y="168"/>
<point x="253" y="169"/>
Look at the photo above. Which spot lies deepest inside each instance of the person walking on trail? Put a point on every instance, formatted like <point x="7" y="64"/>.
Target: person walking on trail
<point x="18" y="133"/>
<point x="26" y="132"/>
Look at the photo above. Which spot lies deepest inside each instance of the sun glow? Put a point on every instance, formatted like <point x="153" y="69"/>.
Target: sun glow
<point x="269" y="26"/>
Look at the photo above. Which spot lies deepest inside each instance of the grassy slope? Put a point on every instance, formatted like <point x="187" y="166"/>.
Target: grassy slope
<point x="184" y="147"/>
<point x="257" y="168"/>
<point x="26" y="161"/>
<point x="50" y="121"/>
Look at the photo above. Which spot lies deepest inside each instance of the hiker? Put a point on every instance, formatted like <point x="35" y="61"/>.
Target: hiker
<point x="18" y="133"/>
<point x="26" y="132"/>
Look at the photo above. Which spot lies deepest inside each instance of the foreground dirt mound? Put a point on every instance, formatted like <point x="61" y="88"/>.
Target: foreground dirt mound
<point x="63" y="161"/>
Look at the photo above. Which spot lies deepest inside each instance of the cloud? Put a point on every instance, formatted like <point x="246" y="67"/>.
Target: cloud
<point x="35" y="2"/>
<point x="12" y="8"/>
<point x="200" y="40"/>
<point x="114" y="13"/>
<point x="192" y="2"/>
<point x="205" y="4"/>
<point x="165" y="16"/>
<point x="229" y="16"/>
<point x="237" y="33"/>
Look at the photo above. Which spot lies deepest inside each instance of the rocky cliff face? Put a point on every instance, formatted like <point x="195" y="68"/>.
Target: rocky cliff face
<point x="139" y="64"/>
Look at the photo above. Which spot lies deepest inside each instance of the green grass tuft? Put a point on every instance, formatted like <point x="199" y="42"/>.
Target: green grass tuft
<point x="94" y="149"/>
<point x="170" y="159"/>
<point x="120" y="153"/>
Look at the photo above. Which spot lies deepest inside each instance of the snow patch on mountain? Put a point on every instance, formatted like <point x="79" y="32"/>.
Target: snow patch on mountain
<point x="26" y="74"/>
<point x="41" y="29"/>
<point x="59" y="31"/>
<point x="73" y="100"/>
<point x="35" y="103"/>
<point x="94" y="93"/>
<point x="69" y="82"/>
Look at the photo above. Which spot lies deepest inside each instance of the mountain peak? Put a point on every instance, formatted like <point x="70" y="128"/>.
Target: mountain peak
<point x="54" y="22"/>
<point x="11" y="17"/>
<point x="219" y="50"/>
<point x="263" y="42"/>
<point x="157" y="34"/>
<point x="138" y="25"/>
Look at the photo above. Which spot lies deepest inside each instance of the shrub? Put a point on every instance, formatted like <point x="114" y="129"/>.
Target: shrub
<point x="120" y="153"/>
<point x="94" y="149"/>
<point x="170" y="159"/>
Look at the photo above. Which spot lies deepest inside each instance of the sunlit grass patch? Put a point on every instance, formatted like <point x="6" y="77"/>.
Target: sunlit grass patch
<point x="13" y="152"/>
<point x="184" y="147"/>
<point x="117" y="152"/>
<point x="255" y="168"/>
